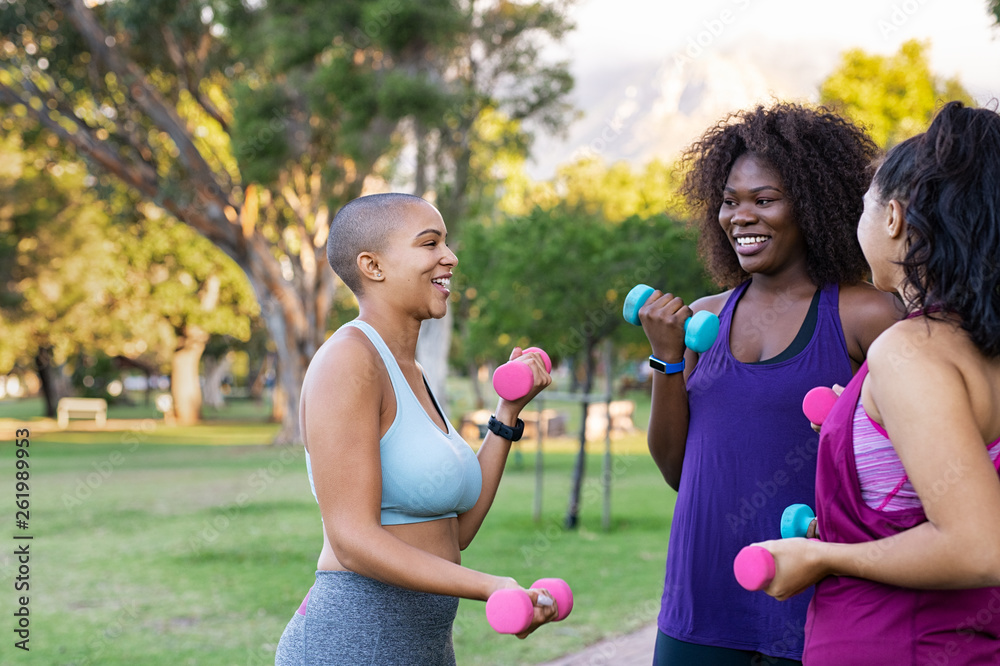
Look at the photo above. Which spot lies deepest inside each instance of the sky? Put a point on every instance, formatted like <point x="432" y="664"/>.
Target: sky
<point x="627" y="55"/>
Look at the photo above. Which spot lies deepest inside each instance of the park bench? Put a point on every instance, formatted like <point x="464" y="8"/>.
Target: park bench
<point x="621" y="411"/>
<point x="96" y="408"/>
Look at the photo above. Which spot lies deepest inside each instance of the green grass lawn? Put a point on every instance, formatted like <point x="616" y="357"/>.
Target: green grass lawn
<point x="151" y="548"/>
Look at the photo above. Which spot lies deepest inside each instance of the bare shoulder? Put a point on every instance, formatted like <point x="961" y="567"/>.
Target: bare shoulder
<point x="865" y="312"/>
<point x="936" y="362"/>
<point x="863" y="300"/>
<point x="346" y="363"/>
<point x="713" y="303"/>
<point x="917" y="347"/>
<point x="343" y="385"/>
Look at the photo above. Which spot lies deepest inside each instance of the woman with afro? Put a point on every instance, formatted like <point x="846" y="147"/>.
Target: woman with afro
<point x="777" y="193"/>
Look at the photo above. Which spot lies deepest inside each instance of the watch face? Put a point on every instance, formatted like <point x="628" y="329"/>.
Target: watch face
<point x="665" y="368"/>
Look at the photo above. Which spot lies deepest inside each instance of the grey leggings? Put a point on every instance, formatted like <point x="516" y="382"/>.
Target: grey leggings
<point x="351" y="620"/>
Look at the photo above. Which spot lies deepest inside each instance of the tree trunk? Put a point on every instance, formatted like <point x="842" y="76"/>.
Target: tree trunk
<point x="185" y="382"/>
<point x="215" y="372"/>
<point x="259" y="378"/>
<point x="292" y="360"/>
<point x="580" y="467"/>
<point x="47" y="378"/>
<point x="477" y="390"/>
<point x="420" y="169"/>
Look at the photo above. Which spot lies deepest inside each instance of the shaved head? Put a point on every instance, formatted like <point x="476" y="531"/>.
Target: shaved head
<point x="364" y="225"/>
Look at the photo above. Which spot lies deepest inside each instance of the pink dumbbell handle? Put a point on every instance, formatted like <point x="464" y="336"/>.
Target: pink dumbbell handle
<point x="561" y="593"/>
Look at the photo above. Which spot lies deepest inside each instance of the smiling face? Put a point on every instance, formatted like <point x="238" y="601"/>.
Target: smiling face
<point x="417" y="263"/>
<point x="758" y="218"/>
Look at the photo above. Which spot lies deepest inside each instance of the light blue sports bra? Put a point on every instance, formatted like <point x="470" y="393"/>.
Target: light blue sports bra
<point x="426" y="474"/>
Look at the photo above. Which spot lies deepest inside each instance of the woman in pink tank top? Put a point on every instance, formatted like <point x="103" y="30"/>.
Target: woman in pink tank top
<point x="917" y="584"/>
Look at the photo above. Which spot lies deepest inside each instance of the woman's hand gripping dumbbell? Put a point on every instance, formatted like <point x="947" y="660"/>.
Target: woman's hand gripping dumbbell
<point x="700" y="330"/>
<point x="754" y="565"/>
<point x="510" y="611"/>
<point x="818" y="402"/>
<point x="513" y="380"/>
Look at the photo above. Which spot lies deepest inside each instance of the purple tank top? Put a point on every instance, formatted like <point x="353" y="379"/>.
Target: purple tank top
<point x="854" y="621"/>
<point x="750" y="453"/>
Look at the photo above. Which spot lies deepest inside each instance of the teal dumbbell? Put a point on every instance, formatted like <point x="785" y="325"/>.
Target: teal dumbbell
<point x="795" y="520"/>
<point x="754" y="565"/>
<point x="700" y="330"/>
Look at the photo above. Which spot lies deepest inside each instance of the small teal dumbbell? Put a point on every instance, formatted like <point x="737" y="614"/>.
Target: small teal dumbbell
<point x="795" y="520"/>
<point x="754" y="566"/>
<point x="700" y="330"/>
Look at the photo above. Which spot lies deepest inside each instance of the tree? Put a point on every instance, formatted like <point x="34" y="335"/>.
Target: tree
<point x="994" y="8"/>
<point x="615" y="192"/>
<point x="63" y="282"/>
<point x="89" y="273"/>
<point x="501" y="87"/>
<point x="251" y="122"/>
<point x="192" y="290"/>
<point x="894" y="97"/>
<point x="566" y="293"/>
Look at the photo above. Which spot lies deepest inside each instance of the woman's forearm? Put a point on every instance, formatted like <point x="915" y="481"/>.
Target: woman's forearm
<point x="492" y="458"/>
<point x="668" y="425"/>
<point x="375" y="553"/>
<point x="923" y="557"/>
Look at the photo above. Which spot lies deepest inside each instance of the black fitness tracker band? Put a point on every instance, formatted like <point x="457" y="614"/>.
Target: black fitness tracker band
<point x="505" y="431"/>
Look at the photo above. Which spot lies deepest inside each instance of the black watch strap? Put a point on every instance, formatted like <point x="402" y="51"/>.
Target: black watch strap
<point x="505" y="431"/>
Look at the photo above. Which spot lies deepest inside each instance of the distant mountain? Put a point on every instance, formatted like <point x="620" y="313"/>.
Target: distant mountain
<point x="639" y="112"/>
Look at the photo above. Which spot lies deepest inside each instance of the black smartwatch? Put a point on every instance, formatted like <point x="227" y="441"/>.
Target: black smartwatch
<point x="505" y="431"/>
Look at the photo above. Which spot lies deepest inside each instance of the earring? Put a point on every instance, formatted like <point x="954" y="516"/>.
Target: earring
<point x="378" y="275"/>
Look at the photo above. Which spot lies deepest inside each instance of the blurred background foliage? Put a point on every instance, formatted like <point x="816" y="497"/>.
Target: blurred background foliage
<point x="168" y="171"/>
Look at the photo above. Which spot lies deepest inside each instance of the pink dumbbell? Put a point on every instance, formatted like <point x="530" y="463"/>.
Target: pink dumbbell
<point x="818" y="403"/>
<point x="511" y="611"/>
<point x="513" y="380"/>
<point x="754" y="568"/>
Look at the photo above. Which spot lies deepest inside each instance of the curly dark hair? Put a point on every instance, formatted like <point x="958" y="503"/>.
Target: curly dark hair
<point x="948" y="180"/>
<point x="825" y="163"/>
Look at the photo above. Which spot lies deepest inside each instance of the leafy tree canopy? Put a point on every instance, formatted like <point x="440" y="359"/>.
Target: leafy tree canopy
<point x="893" y="97"/>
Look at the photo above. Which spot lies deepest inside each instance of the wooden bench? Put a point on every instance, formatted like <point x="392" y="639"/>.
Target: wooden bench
<point x="96" y="408"/>
<point x="596" y="427"/>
